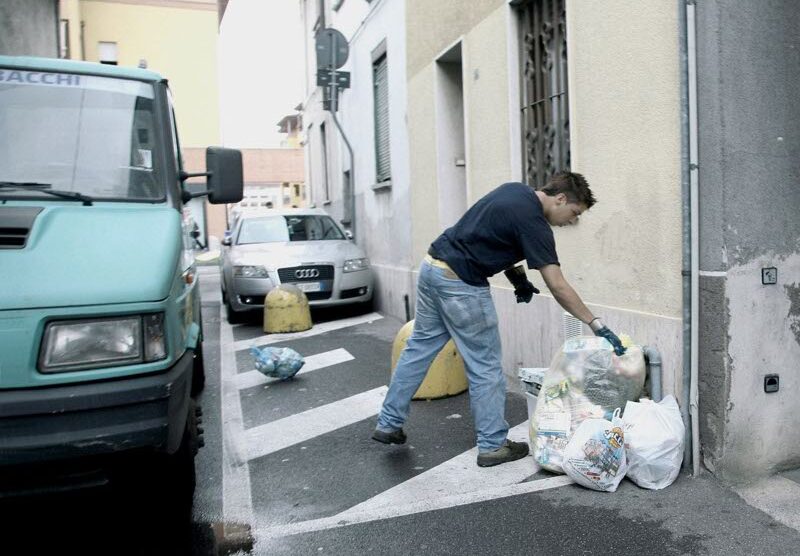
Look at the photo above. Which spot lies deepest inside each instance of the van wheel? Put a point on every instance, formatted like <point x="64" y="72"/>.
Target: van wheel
<point x="178" y="479"/>
<point x="198" y="370"/>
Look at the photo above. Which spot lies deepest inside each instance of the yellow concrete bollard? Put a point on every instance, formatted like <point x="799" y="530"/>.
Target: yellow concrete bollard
<point x="286" y="310"/>
<point x="446" y="376"/>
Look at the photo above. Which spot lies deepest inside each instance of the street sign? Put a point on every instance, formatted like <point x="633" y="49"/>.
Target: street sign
<point x="332" y="49"/>
<point x="342" y="78"/>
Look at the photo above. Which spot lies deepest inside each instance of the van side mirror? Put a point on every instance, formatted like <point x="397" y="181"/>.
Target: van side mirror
<point x="224" y="177"/>
<point x="226" y="241"/>
<point x="225" y="182"/>
<point x="348" y="234"/>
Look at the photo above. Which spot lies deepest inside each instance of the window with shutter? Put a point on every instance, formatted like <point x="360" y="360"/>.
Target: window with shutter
<point x="381" y="102"/>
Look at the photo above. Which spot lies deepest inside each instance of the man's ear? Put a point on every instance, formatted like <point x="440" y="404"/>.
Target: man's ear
<point x="561" y="198"/>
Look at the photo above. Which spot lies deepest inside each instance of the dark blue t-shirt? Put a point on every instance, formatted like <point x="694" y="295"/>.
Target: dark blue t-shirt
<point x="502" y="228"/>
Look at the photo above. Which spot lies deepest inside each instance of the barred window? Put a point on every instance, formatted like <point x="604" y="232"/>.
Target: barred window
<point x="545" y="106"/>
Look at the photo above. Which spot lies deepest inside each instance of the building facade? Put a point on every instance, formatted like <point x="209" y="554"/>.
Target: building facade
<point x="679" y="114"/>
<point x="375" y="186"/>
<point x="29" y="28"/>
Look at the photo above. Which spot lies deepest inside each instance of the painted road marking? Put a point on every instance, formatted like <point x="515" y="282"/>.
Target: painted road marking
<point x="300" y="427"/>
<point x="313" y="363"/>
<point x="237" y="501"/>
<point x="347" y="518"/>
<point x="458" y="475"/>
<point x="321" y="328"/>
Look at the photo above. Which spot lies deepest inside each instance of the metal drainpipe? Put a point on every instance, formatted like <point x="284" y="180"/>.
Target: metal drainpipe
<point x="694" y="199"/>
<point x="653" y="358"/>
<point x="686" y="234"/>
<point x="691" y="248"/>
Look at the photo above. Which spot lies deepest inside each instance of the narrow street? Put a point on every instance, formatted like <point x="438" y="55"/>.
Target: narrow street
<point x="289" y="468"/>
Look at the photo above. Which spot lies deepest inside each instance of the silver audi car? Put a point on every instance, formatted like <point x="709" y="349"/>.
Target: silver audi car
<point x="304" y="247"/>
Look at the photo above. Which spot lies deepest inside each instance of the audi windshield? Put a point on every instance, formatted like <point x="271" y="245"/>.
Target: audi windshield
<point x="282" y="229"/>
<point x="94" y="136"/>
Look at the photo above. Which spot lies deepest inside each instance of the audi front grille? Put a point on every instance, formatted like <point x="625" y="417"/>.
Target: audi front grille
<point x="311" y="273"/>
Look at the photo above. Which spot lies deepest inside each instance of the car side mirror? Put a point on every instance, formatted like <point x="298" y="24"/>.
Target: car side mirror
<point x="225" y="182"/>
<point x="348" y="234"/>
<point x="226" y="241"/>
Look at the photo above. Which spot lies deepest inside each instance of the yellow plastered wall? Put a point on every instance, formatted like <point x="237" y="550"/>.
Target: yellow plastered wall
<point x="71" y="11"/>
<point x="178" y="43"/>
<point x="624" y="86"/>
<point x="481" y="26"/>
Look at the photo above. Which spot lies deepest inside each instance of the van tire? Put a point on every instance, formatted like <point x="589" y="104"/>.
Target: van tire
<point x="198" y="369"/>
<point x="178" y="478"/>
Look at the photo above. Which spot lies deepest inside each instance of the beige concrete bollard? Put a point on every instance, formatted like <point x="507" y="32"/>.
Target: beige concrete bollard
<point x="286" y="310"/>
<point x="446" y="376"/>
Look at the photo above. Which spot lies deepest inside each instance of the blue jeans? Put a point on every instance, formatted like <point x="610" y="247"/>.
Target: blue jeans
<point x="449" y="308"/>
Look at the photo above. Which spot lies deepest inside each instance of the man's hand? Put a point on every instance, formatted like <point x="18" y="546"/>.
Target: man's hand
<point x="605" y="332"/>
<point x="525" y="291"/>
<point x="523" y="288"/>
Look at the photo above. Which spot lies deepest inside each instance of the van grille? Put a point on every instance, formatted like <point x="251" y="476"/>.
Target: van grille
<point x="15" y="226"/>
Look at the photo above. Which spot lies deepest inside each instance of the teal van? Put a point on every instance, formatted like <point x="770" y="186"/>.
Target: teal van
<point x="101" y="342"/>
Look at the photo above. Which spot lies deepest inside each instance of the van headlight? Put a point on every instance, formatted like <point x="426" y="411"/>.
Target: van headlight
<point x="356" y="264"/>
<point x="87" y="344"/>
<point x="248" y="271"/>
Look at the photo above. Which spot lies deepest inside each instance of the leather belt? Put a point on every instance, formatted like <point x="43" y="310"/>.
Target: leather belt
<point x="449" y="272"/>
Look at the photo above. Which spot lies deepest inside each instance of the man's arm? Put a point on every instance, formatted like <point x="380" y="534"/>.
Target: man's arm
<point x="564" y="294"/>
<point x="569" y="300"/>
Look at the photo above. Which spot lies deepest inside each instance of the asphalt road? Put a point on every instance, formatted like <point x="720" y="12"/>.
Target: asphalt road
<point x="288" y="468"/>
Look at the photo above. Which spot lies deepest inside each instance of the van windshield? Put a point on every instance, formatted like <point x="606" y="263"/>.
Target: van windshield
<point x="272" y="229"/>
<point x="78" y="133"/>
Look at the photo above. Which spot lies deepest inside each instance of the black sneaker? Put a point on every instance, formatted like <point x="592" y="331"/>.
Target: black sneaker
<point x="394" y="437"/>
<point x="510" y="451"/>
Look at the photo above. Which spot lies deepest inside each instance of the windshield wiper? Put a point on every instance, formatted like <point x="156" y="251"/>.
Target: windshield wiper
<point x="45" y="188"/>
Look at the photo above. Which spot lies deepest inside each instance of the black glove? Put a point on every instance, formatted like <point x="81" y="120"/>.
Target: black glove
<point x="605" y="332"/>
<point x="523" y="288"/>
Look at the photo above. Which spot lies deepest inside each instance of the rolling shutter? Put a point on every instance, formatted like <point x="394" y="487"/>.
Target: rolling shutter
<point x="381" y="92"/>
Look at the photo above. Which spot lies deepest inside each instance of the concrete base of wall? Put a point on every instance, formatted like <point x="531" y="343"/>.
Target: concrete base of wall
<point x="531" y="333"/>
<point x="392" y="284"/>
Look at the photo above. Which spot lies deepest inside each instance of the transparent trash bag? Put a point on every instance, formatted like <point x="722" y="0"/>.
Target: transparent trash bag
<point x="586" y="380"/>
<point x="654" y="435"/>
<point x="595" y="455"/>
<point x="282" y="363"/>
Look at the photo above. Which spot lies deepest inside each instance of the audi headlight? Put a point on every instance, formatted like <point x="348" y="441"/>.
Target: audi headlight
<point x="87" y="344"/>
<point x="246" y="271"/>
<point x="356" y="264"/>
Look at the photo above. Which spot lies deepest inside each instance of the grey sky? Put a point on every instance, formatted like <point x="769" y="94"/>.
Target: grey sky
<point x="261" y="70"/>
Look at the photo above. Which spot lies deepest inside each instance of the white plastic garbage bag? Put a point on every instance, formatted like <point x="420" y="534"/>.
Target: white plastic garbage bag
<point x="282" y="363"/>
<point x="654" y="434"/>
<point x="595" y="456"/>
<point x="586" y="380"/>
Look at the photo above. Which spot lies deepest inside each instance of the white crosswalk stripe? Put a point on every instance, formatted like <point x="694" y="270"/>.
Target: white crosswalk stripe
<point x="459" y="475"/>
<point x="352" y="518"/>
<point x="318" y="329"/>
<point x="280" y="434"/>
<point x="250" y="379"/>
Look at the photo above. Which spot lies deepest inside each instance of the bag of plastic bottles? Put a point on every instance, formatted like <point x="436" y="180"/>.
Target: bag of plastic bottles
<point x="595" y="455"/>
<point x="282" y="363"/>
<point x="586" y="380"/>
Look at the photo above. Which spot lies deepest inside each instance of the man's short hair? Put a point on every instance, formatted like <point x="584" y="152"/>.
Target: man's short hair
<point x="571" y="184"/>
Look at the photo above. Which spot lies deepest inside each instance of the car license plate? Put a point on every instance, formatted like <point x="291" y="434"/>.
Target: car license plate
<point x="309" y="286"/>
